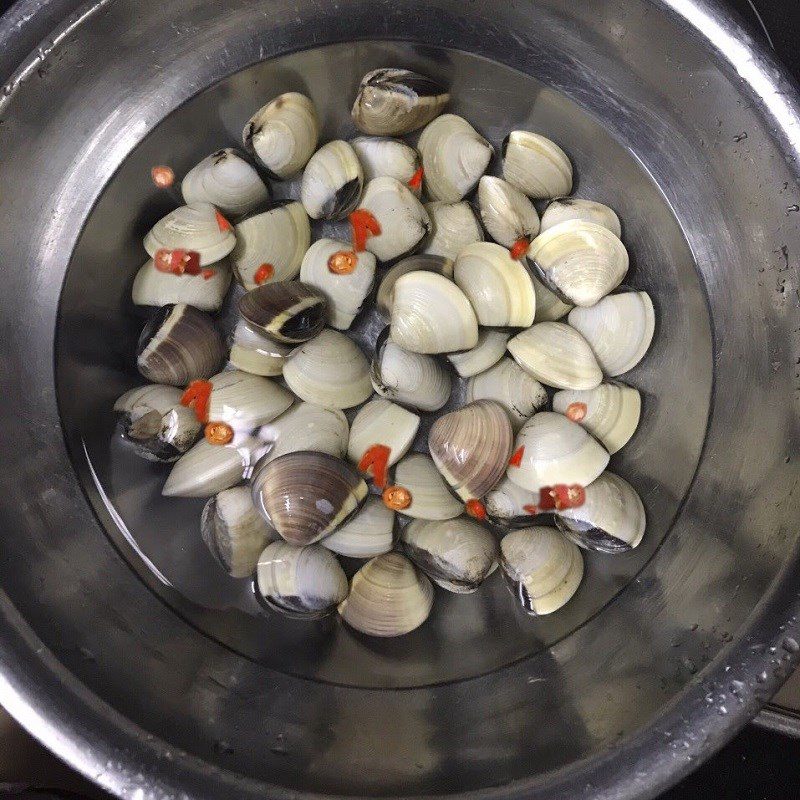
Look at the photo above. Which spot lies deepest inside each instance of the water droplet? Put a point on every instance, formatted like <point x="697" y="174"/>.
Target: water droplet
<point x="761" y="677"/>
<point x="790" y="645"/>
<point x="723" y="711"/>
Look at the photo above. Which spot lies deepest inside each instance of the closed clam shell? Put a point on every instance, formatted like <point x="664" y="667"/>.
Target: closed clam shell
<point x="382" y="422"/>
<point x="490" y="349"/>
<point x="277" y="237"/>
<point x="619" y="329"/>
<point x="329" y="370"/>
<point x="345" y="292"/>
<point x="306" y="426"/>
<point x="471" y="447"/>
<point x="234" y="531"/>
<point x="498" y="287"/>
<point x="253" y="352"/>
<point x="610" y="520"/>
<point x="152" y="287"/>
<point x="283" y="134"/>
<point x="536" y="165"/>
<point x="388" y="596"/>
<point x="580" y="261"/>
<point x="430" y="314"/>
<point x="555" y="451"/>
<point x="510" y="505"/>
<point x="557" y="355"/>
<point x="332" y="182"/>
<point x="300" y="581"/>
<point x="226" y="180"/>
<point x="565" y="208"/>
<point x="385" y="157"/>
<point x="519" y="393"/>
<point x="507" y="214"/>
<point x="454" y="156"/>
<point x="179" y="344"/>
<point x="245" y="401"/>
<point x="456" y="554"/>
<point x="453" y="226"/>
<point x="368" y="533"/>
<point x="198" y="227"/>
<point x="542" y="568"/>
<point x="289" y="312"/>
<point x="425" y="263"/>
<point x="430" y="497"/>
<point x="392" y="102"/>
<point x="609" y="412"/>
<point x="549" y="306"/>
<point x="306" y="495"/>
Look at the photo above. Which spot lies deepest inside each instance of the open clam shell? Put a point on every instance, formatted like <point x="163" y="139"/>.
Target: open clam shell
<point x="179" y="344"/>
<point x="388" y="596"/>
<point x="425" y="263"/>
<point x="392" y="102"/>
<point x="456" y="554"/>
<point x="244" y="401"/>
<point x="574" y="208"/>
<point x="346" y="292"/>
<point x="332" y="182"/>
<point x="536" y="166"/>
<point x="557" y="355"/>
<point x="498" y="287"/>
<point x="253" y="352"/>
<point x="329" y="370"/>
<point x="289" y="312"/>
<point x="610" y="412"/>
<point x="542" y="568"/>
<point x="510" y="505"/>
<point x="611" y="519"/>
<point x="430" y="497"/>
<point x="507" y="214"/>
<point x="549" y="306"/>
<point x="300" y="581"/>
<point x="283" y="134"/>
<point x="490" y="349"/>
<point x="454" y="156"/>
<point x="555" y="450"/>
<point x="368" y="533"/>
<point x="619" y="329"/>
<point x="306" y="495"/>
<point x="385" y="157"/>
<point x="306" y="426"/>
<point x="382" y="422"/>
<point x="453" y="227"/>
<point x="234" y="531"/>
<point x="152" y="287"/>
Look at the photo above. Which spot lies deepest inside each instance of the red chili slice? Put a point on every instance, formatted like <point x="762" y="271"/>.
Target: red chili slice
<point x="342" y="262"/>
<point x="576" y="411"/>
<point x="516" y="459"/>
<point x="263" y="273"/>
<point x="519" y="248"/>
<point x="197" y="396"/>
<point x="177" y="262"/>
<point x="475" y="509"/>
<point x="162" y="176"/>
<point x="416" y="179"/>
<point x="376" y="458"/>
<point x="532" y="510"/>
<point x="223" y="223"/>
<point x="364" y="225"/>
<point x="396" y="497"/>
<point x="218" y="433"/>
<point x="208" y="274"/>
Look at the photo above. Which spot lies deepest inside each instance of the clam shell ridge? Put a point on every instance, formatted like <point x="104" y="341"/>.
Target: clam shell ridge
<point x="306" y="426"/>
<point x="332" y="182"/>
<point x="490" y="349"/>
<point x="382" y="422"/>
<point x="384" y="157"/>
<point x="422" y="262"/>
<point x="430" y="497"/>
<point x="536" y="165"/>
<point x="507" y="214"/>
<point x="565" y="208"/>
<point x="368" y="533"/>
<point x="453" y="227"/>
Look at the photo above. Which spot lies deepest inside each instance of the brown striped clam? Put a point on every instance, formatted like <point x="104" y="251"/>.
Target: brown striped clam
<point x="289" y="312"/>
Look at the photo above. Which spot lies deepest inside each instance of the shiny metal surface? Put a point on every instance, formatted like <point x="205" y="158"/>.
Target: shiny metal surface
<point x="693" y="137"/>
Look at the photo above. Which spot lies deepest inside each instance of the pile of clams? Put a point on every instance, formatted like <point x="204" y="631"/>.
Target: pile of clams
<point x="505" y="328"/>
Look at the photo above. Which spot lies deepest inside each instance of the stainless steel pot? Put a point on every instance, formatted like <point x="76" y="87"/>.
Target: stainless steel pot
<point x="156" y="681"/>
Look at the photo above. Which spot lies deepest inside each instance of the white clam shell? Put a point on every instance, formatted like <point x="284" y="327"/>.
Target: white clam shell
<point x="283" y="134"/>
<point x="151" y="397"/>
<point x="430" y="497"/>
<point x="306" y="426"/>
<point x="565" y="208"/>
<point x="490" y="349"/>
<point x="619" y="329"/>
<point x="609" y="412"/>
<point x="557" y="355"/>
<point x="507" y="502"/>
<point x="453" y="227"/>
<point x="454" y="156"/>
<point x="580" y="261"/>
<point x="430" y="314"/>
<point x="385" y="298"/>
<point x="388" y="597"/>
<point x="385" y="157"/>
<point x="507" y="214"/>
<point x="498" y="287"/>
<point x="345" y="292"/>
<point x="556" y="451"/>
<point x="543" y="569"/>
<point x="332" y="182"/>
<point x="245" y="401"/>
<point x="382" y="422"/>
<point x="253" y="352"/>
<point x="549" y="306"/>
<point x="151" y="287"/>
<point x="536" y="165"/>
<point x="329" y="370"/>
<point x="369" y="533"/>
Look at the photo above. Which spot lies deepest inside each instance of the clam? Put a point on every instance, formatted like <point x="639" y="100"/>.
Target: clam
<point x="289" y="312"/>
<point x="609" y="412"/>
<point x="489" y="350"/>
<point x="383" y="423"/>
<point x="456" y="554"/>
<point x="430" y="497"/>
<point x="179" y="344"/>
<point x="388" y="597"/>
<point x="573" y="208"/>
<point x="453" y="227"/>
<point x="430" y="314"/>
<point x="552" y="450"/>
<point x="329" y="370"/>
<point x="510" y="505"/>
<point x="227" y="181"/>
<point x="155" y="424"/>
<point x="391" y="158"/>
<point x="557" y="355"/>
<point x="401" y="218"/>
<point x="270" y="245"/>
<point x="610" y="520"/>
<point x="542" y="568"/>
<point x="498" y="287"/>
<point x="283" y="134"/>
<point x="507" y="214"/>
<point x="471" y="447"/>
<point x="153" y="287"/>
<point x="536" y="166"/>
<point x="392" y="102"/>
<point x="454" y="156"/>
<point x="519" y="393"/>
<point x="368" y="533"/>
<point x="245" y="401"/>
<point x="424" y="263"/>
<point x="342" y="275"/>
<point x="619" y="329"/>
<point x="253" y="352"/>
<point x="234" y="531"/>
<point x="580" y="261"/>
<point x="300" y="581"/>
<point x="306" y="495"/>
<point x="197" y="228"/>
<point x="332" y="182"/>
<point x="306" y="426"/>
<point x="549" y="306"/>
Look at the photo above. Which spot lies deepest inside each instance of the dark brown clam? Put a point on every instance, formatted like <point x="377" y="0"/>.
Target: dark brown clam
<point x="290" y="312"/>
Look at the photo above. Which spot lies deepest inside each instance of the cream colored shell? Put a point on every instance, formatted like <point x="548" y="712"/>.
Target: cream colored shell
<point x="369" y="533"/>
<point x="430" y="497"/>
<point x="507" y="214"/>
<point x="489" y="350"/>
<point x="564" y="208"/>
<point x="306" y="426"/>
<point x="453" y="226"/>
<point x="382" y="422"/>
<point x="536" y="165"/>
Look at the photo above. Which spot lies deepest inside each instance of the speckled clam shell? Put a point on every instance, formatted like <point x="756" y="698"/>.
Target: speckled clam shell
<point x="332" y="182"/>
<point x="507" y="214"/>
<point x="566" y="208"/>
<point x="430" y="497"/>
<point x="385" y="157"/>
<point x="490" y="349"/>
<point x="368" y="533"/>
<point x="453" y="227"/>
<point x="382" y="422"/>
<point x="289" y="312"/>
<point x="306" y="426"/>
<point x="549" y="306"/>
<point x="152" y="287"/>
<point x="244" y="401"/>
<point x="253" y="352"/>
<point x="536" y="165"/>
<point x="506" y="504"/>
<point x="420" y="262"/>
